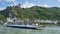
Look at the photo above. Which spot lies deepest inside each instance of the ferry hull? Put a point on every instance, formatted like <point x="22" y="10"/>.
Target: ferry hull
<point x="23" y="26"/>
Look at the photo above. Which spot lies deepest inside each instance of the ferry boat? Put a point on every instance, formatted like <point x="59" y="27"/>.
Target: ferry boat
<point x="23" y="26"/>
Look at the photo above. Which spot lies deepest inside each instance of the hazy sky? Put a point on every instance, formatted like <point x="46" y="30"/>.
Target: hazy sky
<point x="29" y="3"/>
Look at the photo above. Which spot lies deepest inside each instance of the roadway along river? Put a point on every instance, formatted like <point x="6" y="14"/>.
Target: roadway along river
<point x="45" y="30"/>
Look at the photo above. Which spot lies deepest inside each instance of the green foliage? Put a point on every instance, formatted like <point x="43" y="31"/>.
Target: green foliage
<point x="35" y="12"/>
<point x="1" y="17"/>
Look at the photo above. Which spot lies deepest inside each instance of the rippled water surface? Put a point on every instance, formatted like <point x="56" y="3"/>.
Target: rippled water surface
<point x="45" y="30"/>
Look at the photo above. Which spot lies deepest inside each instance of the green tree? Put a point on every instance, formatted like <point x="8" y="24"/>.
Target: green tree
<point x="1" y="17"/>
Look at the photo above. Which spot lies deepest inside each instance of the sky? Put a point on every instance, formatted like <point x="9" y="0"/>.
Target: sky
<point x="29" y="3"/>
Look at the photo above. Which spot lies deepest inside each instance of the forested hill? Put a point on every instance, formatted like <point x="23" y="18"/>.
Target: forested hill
<point x="35" y="12"/>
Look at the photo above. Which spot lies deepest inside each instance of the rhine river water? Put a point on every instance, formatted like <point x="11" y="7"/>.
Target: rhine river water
<point x="45" y="30"/>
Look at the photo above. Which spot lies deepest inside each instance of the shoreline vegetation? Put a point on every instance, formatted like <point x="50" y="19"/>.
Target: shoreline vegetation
<point x="32" y="13"/>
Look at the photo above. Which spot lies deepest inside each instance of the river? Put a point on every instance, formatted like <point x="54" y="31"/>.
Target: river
<point x="45" y="30"/>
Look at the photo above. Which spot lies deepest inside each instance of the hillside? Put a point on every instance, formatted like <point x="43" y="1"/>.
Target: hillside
<point x="35" y="12"/>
